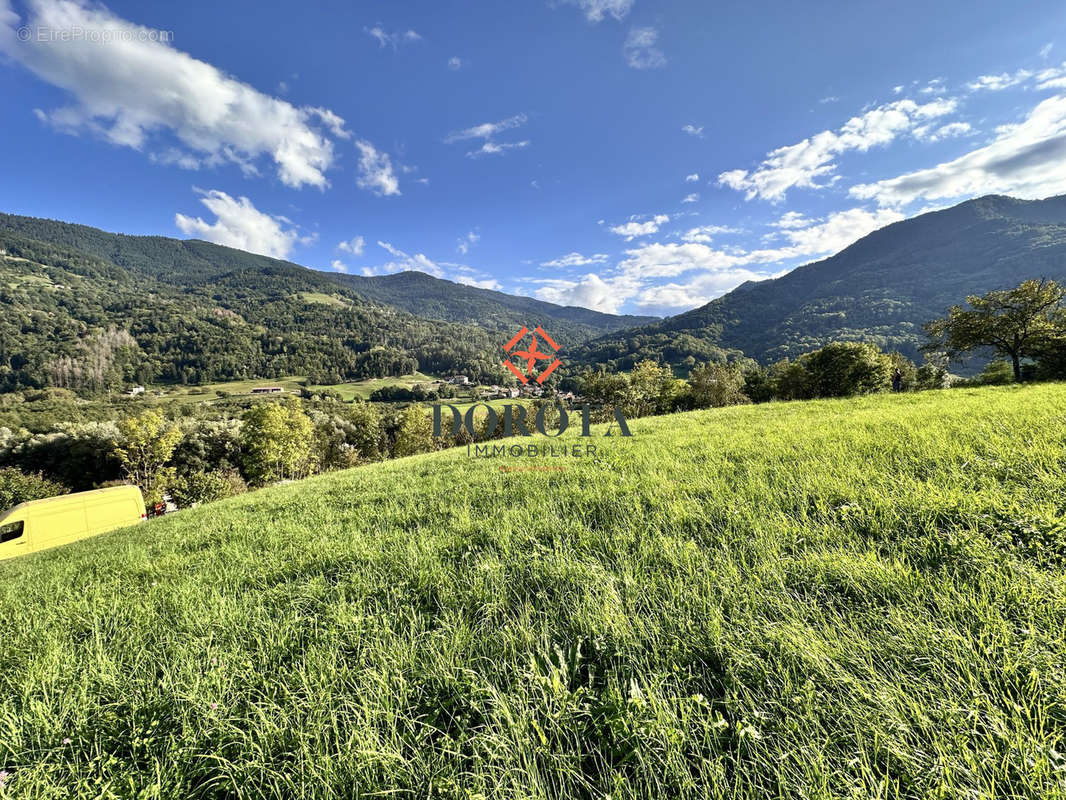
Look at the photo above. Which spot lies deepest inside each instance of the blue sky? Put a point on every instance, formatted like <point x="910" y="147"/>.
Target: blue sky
<point x="624" y="155"/>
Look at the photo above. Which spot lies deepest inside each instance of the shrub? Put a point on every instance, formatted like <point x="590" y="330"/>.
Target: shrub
<point x="18" y="487"/>
<point x="716" y="385"/>
<point x="842" y="369"/>
<point x="995" y="373"/>
<point x="199" y="487"/>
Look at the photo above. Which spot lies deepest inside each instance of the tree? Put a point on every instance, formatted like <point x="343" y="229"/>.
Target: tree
<point x="18" y="487"/>
<point x="414" y="434"/>
<point x="1016" y="323"/>
<point x="201" y="486"/>
<point x="652" y="389"/>
<point x="714" y="385"/>
<point x="842" y="369"/>
<point x="145" y="447"/>
<point x="276" y="442"/>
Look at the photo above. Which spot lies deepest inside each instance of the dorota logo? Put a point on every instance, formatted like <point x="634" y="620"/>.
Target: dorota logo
<point x="531" y="355"/>
<point x="523" y="358"/>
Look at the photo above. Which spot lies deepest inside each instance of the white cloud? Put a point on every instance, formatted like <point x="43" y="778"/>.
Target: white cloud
<point x="792" y="219"/>
<point x="375" y="170"/>
<point x="995" y="83"/>
<point x="402" y="262"/>
<point x="394" y="39"/>
<point x="692" y="130"/>
<point x="1027" y="159"/>
<point x="488" y="131"/>
<point x="935" y="86"/>
<point x="240" y="224"/>
<point x="840" y="229"/>
<point x="1045" y="51"/>
<point x="466" y="242"/>
<point x="804" y="163"/>
<point x="455" y="63"/>
<point x="705" y="233"/>
<point x="1049" y="78"/>
<point x="486" y="283"/>
<point x="589" y="291"/>
<point x="632" y="229"/>
<point x="693" y="178"/>
<point x="715" y="272"/>
<point x="830" y="99"/>
<point x="497" y="148"/>
<point x="832" y="235"/>
<point x="338" y="266"/>
<point x="950" y="131"/>
<point x="670" y="297"/>
<point x="708" y="272"/>
<point x="691" y="198"/>
<point x="641" y="49"/>
<point x="575" y="260"/>
<point x="354" y="246"/>
<point x="596" y="10"/>
<point x="133" y="89"/>
<point x="897" y="89"/>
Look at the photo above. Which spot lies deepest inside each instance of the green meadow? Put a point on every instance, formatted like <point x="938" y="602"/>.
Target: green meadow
<point x="347" y="391"/>
<point x="860" y="598"/>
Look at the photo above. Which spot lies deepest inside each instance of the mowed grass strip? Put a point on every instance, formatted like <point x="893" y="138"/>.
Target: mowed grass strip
<point x="858" y="598"/>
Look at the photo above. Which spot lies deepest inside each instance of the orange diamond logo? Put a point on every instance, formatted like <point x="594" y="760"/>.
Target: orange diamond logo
<point x="529" y="356"/>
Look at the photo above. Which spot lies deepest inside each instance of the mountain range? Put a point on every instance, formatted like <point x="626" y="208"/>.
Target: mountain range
<point x="881" y="289"/>
<point x="198" y="312"/>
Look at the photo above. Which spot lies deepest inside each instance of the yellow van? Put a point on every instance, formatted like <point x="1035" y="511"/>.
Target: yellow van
<point x="53" y="521"/>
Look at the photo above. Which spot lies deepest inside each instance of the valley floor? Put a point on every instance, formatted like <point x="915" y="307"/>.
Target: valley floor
<point x="856" y="598"/>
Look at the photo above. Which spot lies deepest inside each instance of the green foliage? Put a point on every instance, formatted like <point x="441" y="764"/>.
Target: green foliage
<point x="18" y="487"/>
<point x="145" y="447"/>
<point x="995" y="373"/>
<point x="414" y="433"/>
<point x="839" y="599"/>
<point x="195" y="488"/>
<point x="349" y="437"/>
<point x="652" y="389"/>
<point x="930" y="376"/>
<point x="714" y="385"/>
<point x="78" y="455"/>
<point x="191" y="312"/>
<point x="1017" y="323"/>
<point x="843" y="369"/>
<point x="276" y="442"/>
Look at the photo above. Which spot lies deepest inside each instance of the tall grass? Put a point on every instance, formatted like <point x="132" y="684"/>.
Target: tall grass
<point x="861" y="598"/>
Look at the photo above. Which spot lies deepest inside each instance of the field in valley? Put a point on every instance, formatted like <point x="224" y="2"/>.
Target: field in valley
<point x="347" y="391"/>
<point x="855" y="598"/>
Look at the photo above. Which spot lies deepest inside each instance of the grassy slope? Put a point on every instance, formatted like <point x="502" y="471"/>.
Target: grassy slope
<point x="845" y="598"/>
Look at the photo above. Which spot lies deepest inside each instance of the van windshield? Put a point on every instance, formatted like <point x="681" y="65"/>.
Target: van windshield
<point x="10" y="530"/>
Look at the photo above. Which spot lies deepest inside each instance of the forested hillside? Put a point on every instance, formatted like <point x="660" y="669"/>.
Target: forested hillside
<point x="75" y="320"/>
<point x="880" y="290"/>
<point x="87" y="309"/>
<point x="434" y="298"/>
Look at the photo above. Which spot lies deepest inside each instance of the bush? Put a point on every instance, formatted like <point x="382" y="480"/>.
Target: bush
<point x="995" y="373"/>
<point x="930" y="376"/>
<point x="714" y="385"/>
<point x="18" y="487"/>
<point x="843" y="369"/>
<point x="206" y="487"/>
